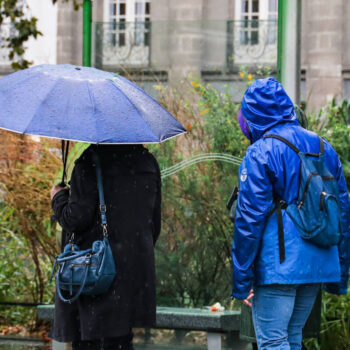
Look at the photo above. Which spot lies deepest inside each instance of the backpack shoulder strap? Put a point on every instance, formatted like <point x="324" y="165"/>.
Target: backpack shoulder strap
<point x="278" y="137"/>
<point x="321" y="145"/>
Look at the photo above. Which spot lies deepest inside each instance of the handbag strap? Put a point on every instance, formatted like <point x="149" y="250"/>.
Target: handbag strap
<point x="102" y="206"/>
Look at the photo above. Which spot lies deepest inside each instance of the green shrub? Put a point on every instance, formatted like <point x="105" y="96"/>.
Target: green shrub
<point x="332" y="122"/>
<point x="194" y="249"/>
<point x="27" y="239"/>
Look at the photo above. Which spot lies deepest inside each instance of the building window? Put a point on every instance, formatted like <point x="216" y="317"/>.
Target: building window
<point x="250" y="22"/>
<point x="125" y="39"/>
<point x="117" y="18"/>
<point x="254" y="32"/>
<point x="272" y="21"/>
<point x="142" y="22"/>
<point x="129" y="22"/>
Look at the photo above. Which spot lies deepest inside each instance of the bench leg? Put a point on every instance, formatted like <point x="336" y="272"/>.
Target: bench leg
<point x="147" y="335"/>
<point x="57" y="346"/>
<point x="179" y="336"/>
<point x="61" y="346"/>
<point x="214" y="341"/>
<point x="233" y="342"/>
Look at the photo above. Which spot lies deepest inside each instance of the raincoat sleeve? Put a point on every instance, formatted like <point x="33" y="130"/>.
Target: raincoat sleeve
<point x="75" y="210"/>
<point x="344" y="244"/>
<point x="255" y="200"/>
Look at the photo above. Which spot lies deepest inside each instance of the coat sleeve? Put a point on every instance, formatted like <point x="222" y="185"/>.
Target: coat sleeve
<point x="157" y="206"/>
<point x="75" y="210"/>
<point x="255" y="200"/>
<point x="344" y="244"/>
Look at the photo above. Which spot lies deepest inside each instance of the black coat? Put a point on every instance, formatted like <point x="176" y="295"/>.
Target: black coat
<point x="132" y="187"/>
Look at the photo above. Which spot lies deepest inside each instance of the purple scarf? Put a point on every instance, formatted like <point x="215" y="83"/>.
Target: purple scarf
<point x="243" y="125"/>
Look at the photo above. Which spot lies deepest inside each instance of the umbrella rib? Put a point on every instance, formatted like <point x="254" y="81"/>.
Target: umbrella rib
<point x="142" y="91"/>
<point x="92" y="103"/>
<point x="135" y="108"/>
<point x="29" y="123"/>
<point x="21" y="81"/>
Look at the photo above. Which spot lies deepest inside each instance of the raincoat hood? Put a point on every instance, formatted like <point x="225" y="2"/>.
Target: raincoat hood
<point x="266" y="104"/>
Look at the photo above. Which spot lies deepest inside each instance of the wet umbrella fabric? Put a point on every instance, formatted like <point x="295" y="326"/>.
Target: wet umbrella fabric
<point x="82" y="104"/>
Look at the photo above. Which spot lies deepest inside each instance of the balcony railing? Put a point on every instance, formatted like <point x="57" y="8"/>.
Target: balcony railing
<point x="122" y="43"/>
<point x="199" y="45"/>
<point x="252" y="42"/>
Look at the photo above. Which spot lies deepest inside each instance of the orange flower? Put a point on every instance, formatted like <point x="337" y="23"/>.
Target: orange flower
<point x="207" y="110"/>
<point x="250" y="77"/>
<point x="189" y="127"/>
<point x="241" y="74"/>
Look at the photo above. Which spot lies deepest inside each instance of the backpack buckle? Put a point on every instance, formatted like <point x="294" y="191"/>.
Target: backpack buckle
<point x="283" y="205"/>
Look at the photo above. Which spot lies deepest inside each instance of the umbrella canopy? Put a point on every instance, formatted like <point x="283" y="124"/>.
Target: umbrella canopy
<point x="82" y="104"/>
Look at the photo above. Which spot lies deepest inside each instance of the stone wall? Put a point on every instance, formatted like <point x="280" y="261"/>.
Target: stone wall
<point x="69" y="34"/>
<point x="346" y="50"/>
<point x="189" y="36"/>
<point x="185" y="38"/>
<point x="216" y="15"/>
<point x="323" y="50"/>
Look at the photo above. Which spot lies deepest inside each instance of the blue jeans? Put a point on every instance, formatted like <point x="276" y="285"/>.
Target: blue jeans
<point x="280" y="313"/>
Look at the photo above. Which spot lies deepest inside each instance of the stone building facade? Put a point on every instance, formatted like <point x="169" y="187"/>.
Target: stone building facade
<point x="326" y="50"/>
<point x="166" y="40"/>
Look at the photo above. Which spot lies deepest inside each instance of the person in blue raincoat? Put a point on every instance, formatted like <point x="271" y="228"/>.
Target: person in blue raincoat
<point x="281" y="293"/>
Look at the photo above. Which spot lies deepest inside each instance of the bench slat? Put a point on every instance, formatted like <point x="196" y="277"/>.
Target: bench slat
<point x="179" y="318"/>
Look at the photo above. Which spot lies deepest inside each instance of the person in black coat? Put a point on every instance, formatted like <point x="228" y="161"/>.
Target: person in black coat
<point x="132" y="188"/>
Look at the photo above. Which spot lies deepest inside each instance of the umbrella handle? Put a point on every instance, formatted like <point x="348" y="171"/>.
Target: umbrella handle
<point x="65" y="149"/>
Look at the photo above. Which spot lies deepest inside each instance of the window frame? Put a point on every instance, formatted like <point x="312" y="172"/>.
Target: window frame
<point x="262" y="14"/>
<point x="121" y="34"/>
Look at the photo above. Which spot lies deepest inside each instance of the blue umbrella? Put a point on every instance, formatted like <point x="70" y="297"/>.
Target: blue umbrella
<point x="82" y="104"/>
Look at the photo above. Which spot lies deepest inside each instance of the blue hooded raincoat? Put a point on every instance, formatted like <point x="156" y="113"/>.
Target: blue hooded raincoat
<point x="269" y="168"/>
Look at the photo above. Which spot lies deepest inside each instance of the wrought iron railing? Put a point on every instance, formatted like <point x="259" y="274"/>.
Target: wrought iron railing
<point x="252" y="42"/>
<point x="122" y="43"/>
<point x="203" y="45"/>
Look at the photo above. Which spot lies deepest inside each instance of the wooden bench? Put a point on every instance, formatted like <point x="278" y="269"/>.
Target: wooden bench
<point x="182" y="320"/>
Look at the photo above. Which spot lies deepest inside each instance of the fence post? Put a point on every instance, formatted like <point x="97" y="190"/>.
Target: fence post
<point x="288" y="47"/>
<point x="87" y="24"/>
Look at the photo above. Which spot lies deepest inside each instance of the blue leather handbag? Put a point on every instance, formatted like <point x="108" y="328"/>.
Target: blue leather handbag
<point x="90" y="271"/>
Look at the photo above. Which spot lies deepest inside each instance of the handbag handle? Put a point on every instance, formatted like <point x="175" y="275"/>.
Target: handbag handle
<point x="80" y="290"/>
